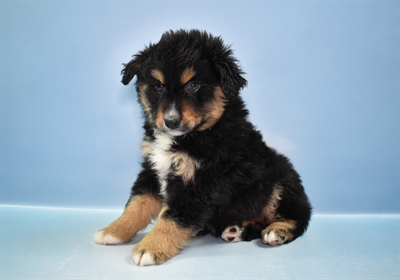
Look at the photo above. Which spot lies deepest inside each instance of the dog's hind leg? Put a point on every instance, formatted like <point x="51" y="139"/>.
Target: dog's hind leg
<point x="138" y="213"/>
<point x="276" y="233"/>
<point x="283" y="219"/>
<point x="287" y="214"/>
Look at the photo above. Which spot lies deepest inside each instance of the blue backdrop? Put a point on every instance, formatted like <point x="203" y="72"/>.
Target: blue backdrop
<point x="323" y="88"/>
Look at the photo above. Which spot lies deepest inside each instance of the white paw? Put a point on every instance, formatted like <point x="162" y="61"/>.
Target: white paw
<point x="271" y="238"/>
<point x="232" y="234"/>
<point x="143" y="259"/>
<point x="101" y="237"/>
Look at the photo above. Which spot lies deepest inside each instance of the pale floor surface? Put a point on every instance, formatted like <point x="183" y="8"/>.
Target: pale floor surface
<point x="45" y="243"/>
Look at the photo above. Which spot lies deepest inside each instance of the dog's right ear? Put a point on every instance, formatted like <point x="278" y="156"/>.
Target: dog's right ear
<point x="132" y="67"/>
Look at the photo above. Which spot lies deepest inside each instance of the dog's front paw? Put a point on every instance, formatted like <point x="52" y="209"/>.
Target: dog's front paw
<point x="163" y="242"/>
<point x="145" y="257"/>
<point x="232" y="234"/>
<point x="150" y="254"/>
<point x="107" y="237"/>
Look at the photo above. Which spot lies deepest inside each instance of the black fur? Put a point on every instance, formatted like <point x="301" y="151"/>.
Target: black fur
<point x="237" y="171"/>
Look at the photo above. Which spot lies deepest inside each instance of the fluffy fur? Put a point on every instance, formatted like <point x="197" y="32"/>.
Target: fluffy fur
<point x="205" y="168"/>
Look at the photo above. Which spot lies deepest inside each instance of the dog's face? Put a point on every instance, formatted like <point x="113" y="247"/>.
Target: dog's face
<point x="185" y="81"/>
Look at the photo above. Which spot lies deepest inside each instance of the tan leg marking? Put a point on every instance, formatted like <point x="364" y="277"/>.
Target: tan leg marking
<point x="279" y="230"/>
<point x="269" y="211"/>
<point x="136" y="216"/>
<point x="163" y="242"/>
<point x="187" y="75"/>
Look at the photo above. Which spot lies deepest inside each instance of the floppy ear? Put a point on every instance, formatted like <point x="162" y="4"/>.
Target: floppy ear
<point x="132" y="67"/>
<point x="231" y="79"/>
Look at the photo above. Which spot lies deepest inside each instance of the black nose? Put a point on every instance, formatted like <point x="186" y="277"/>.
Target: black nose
<point x="172" y="123"/>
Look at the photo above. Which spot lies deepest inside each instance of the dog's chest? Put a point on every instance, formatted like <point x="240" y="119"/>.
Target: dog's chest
<point x="165" y="161"/>
<point x="161" y="158"/>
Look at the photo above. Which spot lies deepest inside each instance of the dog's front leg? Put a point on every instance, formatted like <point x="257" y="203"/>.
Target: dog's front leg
<point x="163" y="242"/>
<point x="136" y="216"/>
<point x="143" y="206"/>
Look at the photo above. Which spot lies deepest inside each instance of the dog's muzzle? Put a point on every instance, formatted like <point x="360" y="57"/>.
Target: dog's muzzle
<point x="172" y="123"/>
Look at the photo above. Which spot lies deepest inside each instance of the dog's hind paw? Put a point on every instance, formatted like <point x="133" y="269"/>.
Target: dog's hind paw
<point x="232" y="234"/>
<point x="274" y="238"/>
<point x="102" y="237"/>
<point x="278" y="233"/>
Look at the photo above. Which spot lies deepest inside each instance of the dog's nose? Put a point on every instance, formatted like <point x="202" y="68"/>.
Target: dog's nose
<point x="172" y="123"/>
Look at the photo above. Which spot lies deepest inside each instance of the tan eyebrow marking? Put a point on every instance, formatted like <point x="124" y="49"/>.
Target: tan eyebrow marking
<point x="157" y="74"/>
<point x="187" y="74"/>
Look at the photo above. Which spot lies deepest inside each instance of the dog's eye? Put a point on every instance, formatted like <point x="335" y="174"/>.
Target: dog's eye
<point x="193" y="86"/>
<point x="159" y="88"/>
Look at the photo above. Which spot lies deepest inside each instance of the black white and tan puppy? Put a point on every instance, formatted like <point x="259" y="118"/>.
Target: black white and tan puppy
<point x="205" y="167"/>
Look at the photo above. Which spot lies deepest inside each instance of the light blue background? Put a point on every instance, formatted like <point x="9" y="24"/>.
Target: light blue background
<point x="323" y="88"/>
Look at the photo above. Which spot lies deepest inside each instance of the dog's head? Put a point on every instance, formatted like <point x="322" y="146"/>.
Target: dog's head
<point x="185" y="81"/>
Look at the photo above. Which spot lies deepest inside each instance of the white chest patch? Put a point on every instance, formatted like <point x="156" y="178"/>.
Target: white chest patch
<point x="164" y="161"/>
<point x="161" y="158"/>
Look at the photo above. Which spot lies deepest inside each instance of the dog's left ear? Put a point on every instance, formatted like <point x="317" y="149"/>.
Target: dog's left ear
<point x="231" y="79"/>
<point x="132" y="67"/>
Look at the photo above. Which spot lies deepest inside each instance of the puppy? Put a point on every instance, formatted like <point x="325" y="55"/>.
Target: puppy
<point x="205" y="167"/>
